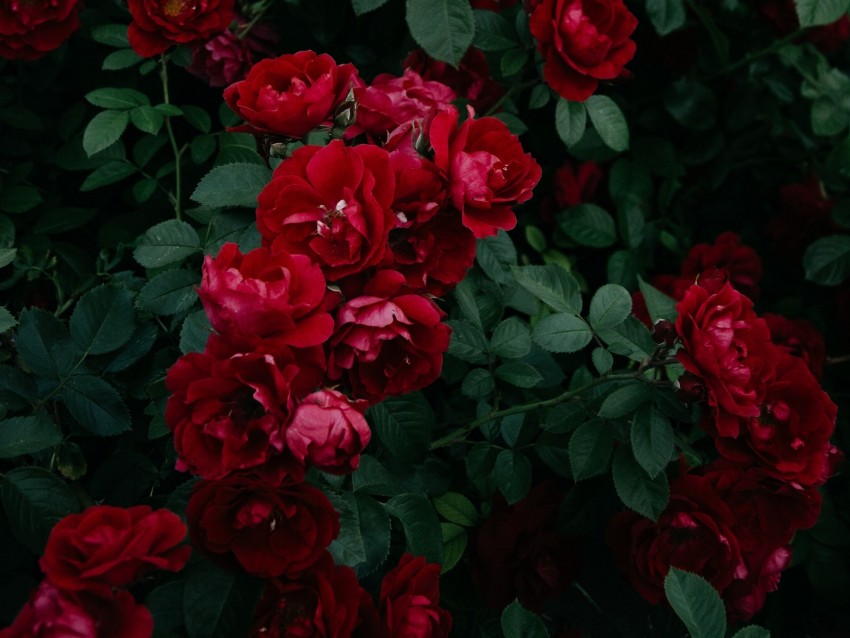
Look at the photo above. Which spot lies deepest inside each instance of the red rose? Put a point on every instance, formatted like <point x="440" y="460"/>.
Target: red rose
<point x="799" y="338"/>
<point x="739" y="264"/>
<point x="767" y="510"/>
<point x="290" y="95"/>
<point x="576" y="183"/>
<point x="325" y="601"/>
<point x="331" y="203"/>
<point x="221" y="60"/>
<point x="328" y="431"/>
<point x="30" y="30"/>
<point x="745" y="598"/>
<point x="268" y="530"/>
<point x="267" y="295"/>
<point x="789" y="439"/>
<point x="106" y="547"/>
<point x="409" y="601"/>
<point x="805" y="215"/>
<point x="52" y="612"/>
<point x="582" y="42"/>
<point x="728" y="347"/>
<point x="516" y="553"/>
<point x="230" y="405"/>
<point x="471" y="79"/>
<point x="492" y="5"/>
<point x="695" y="533"/>
<point x="158" y="24"/>
<point x="487" y="170"/>
<point x="388" y="342"/>
<point x="391" y="101"/>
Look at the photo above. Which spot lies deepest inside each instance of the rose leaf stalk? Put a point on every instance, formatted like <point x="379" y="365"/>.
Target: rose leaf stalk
<point x="177" y="198"/>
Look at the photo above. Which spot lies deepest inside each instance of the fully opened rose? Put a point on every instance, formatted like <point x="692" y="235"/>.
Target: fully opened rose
<point x="159" y="24"/>
<point x="30" y="30"/>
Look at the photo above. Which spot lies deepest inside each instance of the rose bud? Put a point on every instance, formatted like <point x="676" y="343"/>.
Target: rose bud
<point x="690" y="388"/>
<point x="664" y="331"/>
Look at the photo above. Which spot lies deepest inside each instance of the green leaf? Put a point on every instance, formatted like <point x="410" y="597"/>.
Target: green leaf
<point x="202" y="148"/>
<point x="468" y="342"/>
<point x="813" y="13"/>
<point x="753" y="631"/>
<point x="35" y="500"/>
<point x="513" y="475"/>
<point x="113" y="35"/>
<point x="562" y="332"/>
<point x="403" y="424"/>
<point x="697" y="603"/>
<point x="511" y="63"/>
<point x="232" y="185"/>
<point x="27" y="434"/>
<point x="493" y="32"/>
<point x="7" y="320"/>
<point x="464" y="293"/>
<point x="7" y="256"/>
<point x="147" y="119"/>
<point x="421" y="527"/>
<point x="518" y="622"/>
<point x="137" y="346"/>
<point x="197" y="117"/>
<point x="170" y="110"/>
<point x="456" y="508"/>
<point x="610" y="306"/>
<point x="455" y="539"/>
<point x="515" y="124"/>
<point x="478" y="384"/>
<point x="444" y="28"/>
<point x="43" y="344"/>
<point x="365" y="6"/>
<point x="103" y="320"/>
<point x="624" y="400"/>
<point x="364" y="539"/>
<point x="19" y="199"/>
<point x="602" y="360"/>
<point x="589" y="225"/>
<point x="496" y="255"/>
<point x="646" y="496"/>
<point x="666" y="15"/>
<point x="121" y="59"/>
<point x="194" y="333"/>
<point x="590" y="448"/>
<point x="169" y="293"/>
<point x="692" y="104"/>
<point x="659" y="305"/>
<point x="120" y="99"/>
<point x="218" y="603"/>
<point x="144" y="189"/>
<point x="511" y="339"/>
<point x="519" y="374"/>
<point x="652" y="439"/>
<point x="570" y="121"/>
<point x="539" y="98"/>
<point x="166" y="243"/>
<point x="109" y="173"/>
<point x="95" y="405"/>
<point x="104" y="130"/>
<point x="827" y="260"/>
<point x="828" y="116"/>
<point x="552" y="284"/>
<point x="166" y="606"/>
<point x="609" y="122"/>
<point x="631" y="339"/>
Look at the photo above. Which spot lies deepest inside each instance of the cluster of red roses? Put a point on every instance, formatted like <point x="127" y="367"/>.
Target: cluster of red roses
<point x="89" y="560"/>
<point x="731" y="521"/>
<point x="388" y="228"/>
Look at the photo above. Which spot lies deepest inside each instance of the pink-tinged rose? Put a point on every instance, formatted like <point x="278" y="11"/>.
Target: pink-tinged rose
<point x="159" y="24"/>
<point x="789" y="439"/>
<point x="517" y="553"/>
<point x="328" y="431"/>
<point x="410" y="601"/>
<point x="387" y="341"/>
<point x="390" y="101"/>
<point x="487" y="170"/>
<point x="726" y="345"/>
<point x="420" y="187"/>
<point x="471" y="80"/>
<point x="290" y="95"/>
<point x="694" y="533"/>
<point x="332" y="203"/>
<point x="107" y="547"/>
<point x="221" y="60"/>
<point x="53" y="612"/>
<point x="281" y="296"/>
<point x="325" y="601"/>
<point x="799" y="338"/>
<point x="738" y="263"/>
<point x="31" y="29"/>
<point x="582" y="42"/>
<point x="267" y="530"/>
<point x="230" y="405"/>
<point x="745" y="598"/>
<point x="767" y="510"/>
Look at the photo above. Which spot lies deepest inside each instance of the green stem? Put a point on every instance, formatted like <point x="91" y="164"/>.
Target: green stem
<point x="178" y="152"/>
<point x="752" y="57"/>
<point x="461" y="433"/>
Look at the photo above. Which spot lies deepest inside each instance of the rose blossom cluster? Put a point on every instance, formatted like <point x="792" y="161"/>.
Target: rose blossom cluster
<point x="89" y="561"/>
<point x="732" y="520"/>
<point x="333" y="313"/>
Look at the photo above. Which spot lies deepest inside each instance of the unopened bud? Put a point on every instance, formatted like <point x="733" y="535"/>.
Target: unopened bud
<point x="664" y="332"/>
<point x="689" y="388"/>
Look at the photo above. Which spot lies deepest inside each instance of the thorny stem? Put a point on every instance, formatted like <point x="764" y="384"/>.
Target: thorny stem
<point x="177" y="199"/>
